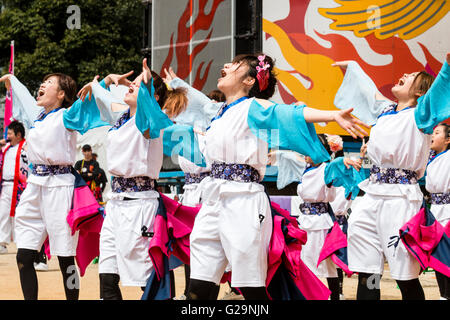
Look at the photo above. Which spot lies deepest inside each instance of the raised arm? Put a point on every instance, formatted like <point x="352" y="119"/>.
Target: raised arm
<point x="84" y="114"/>
<point x="359" y="92"/>
<point x="109" y="106"/>
<point x="150" y="119"/>
<point x="200" y="109"/>
<point x="25" y="108"/>
<point x="434" y="107"/>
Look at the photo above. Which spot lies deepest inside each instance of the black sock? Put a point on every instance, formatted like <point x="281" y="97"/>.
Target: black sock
<point x="109" y="286"/>
<point x="215" y="292"/>
<point x="71" y="278"/>
<point x="201" y="290"/>
<point x="172" y="283"/>
<point x="41" y="257"/>
<point x="333" y="285"/>
<point x="368" y="286"/>
<point x="341" y="280"/>
<point x="411" y="289"/>
<point x="187" y="276"/>
<point x="444" y="285"/>
<point x="254" y="293"/>
<point x="28" y="278"/>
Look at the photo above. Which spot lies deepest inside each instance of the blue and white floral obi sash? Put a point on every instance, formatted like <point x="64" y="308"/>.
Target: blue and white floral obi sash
<point x="190" y="178"/>
<point x="50" y="170"/>
<point x="135" y="184"/>
<point x="314" y="208"/>
<point x="234" y="172"/>
<point x="440" y="198"/>
<point x="392" y="175"/>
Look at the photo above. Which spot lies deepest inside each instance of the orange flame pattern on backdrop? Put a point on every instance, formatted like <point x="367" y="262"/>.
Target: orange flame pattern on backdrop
<point x="185" y="34"/>
<point x="312" y="62"/>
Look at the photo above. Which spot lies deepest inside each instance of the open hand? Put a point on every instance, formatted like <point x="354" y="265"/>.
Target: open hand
<point x="170" y="75"/>
<point x="146" y="73"/>
<point x="354" y="163"/>
<point x="350" y="124"/>
<point x="87" y="90"/>
<point x="119" y="79"/>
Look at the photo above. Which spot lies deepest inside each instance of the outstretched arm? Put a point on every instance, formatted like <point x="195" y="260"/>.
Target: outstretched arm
<point x="434" y="107"/>
<point x="109" y="106"/>
<point x="25" y="108"/>
<point x="343" y="118"/>
<point x="200" y="109"/>
<point x="359" y="92"/>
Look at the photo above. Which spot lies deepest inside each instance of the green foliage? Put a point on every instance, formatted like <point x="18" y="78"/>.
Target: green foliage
<point x="109" y="40"/>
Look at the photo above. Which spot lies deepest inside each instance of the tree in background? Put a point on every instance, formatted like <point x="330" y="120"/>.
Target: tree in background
<point x="108" y="39"/>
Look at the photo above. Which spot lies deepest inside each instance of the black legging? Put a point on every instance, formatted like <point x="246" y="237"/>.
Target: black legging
<point x="333" y="285"/>
<point x="109" y="286"/>
<point x="444" y="285"/>
<point x="110" y="290"/>
<point x="369" y="288"/>
<point x="206" y="290"/>
<point x="28" y="278"/>
<point x="187" y="277"/>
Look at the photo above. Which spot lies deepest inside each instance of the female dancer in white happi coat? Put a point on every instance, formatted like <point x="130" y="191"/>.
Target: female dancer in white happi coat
<point x="399" y="147"/>
<point x="47" y="199"/>
<point x="134" y="160"/>
<point x="234" y="224"/>
<point x="437" y="182"/>
<point x="321" y="186"/>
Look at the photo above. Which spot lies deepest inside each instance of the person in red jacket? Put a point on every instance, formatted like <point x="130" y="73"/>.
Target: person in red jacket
<point x="13" y="175"/>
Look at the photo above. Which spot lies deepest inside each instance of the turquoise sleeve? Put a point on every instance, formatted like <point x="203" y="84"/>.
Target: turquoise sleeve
<point x="337" y="175"/>
<point x="181" y="140"/>
<point x="149" y="115"/>
<point x="284" y="127"/>
<point x="25" y="108"/>
<point x="434" y="107"/>
<point x="200" y="109"/>
<point x="83" y="116"/>
<point x="358" y="91"/>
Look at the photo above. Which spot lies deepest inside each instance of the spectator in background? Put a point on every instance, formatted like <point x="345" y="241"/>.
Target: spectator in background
<point x="100" y="179"/>
<point x="88" y="168"/>
<point x="13" y="176"/>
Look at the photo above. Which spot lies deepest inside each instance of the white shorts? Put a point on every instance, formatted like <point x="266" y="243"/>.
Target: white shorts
<point x="123" y="247"/>
<point x="6" y="222"/>
<point x="441" y="212"/>
<point x="373" y="236"/>
<point x="192" y="195"/>
<point x="311" y="252"/>
<point x="233" y="226"/>
<point x="42" y="212"/>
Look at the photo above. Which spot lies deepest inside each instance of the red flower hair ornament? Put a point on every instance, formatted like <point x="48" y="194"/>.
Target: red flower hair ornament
<point x="263" y="73"/>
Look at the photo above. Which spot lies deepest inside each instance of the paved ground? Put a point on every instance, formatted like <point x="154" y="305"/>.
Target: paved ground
<point x="51" y="288"/>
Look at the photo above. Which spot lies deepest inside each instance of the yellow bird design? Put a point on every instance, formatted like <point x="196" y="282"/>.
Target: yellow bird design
<point x="386" y="18"/>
